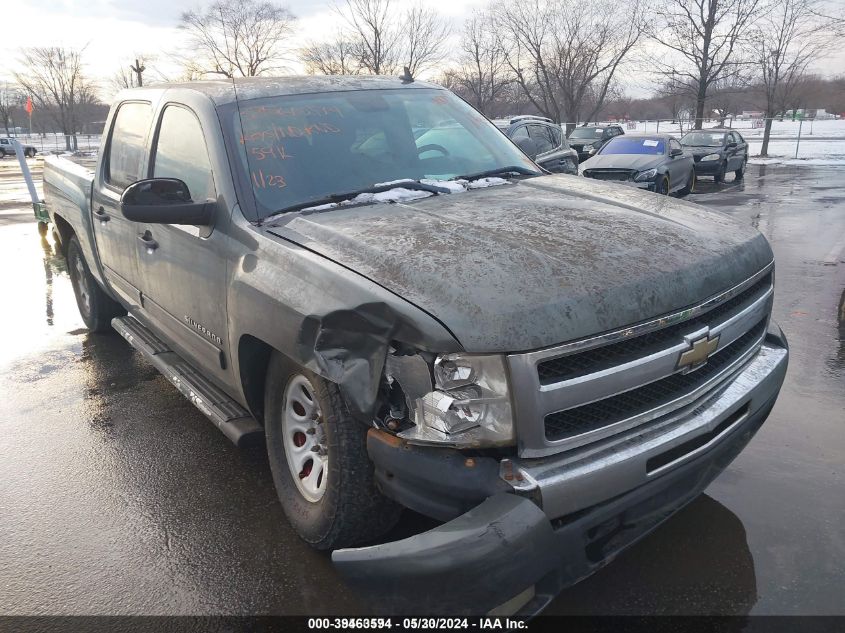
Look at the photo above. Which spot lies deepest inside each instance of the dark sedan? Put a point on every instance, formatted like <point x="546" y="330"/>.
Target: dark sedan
<point x="717" y="152"/>
<point x="656" y="163"/>
<point x="587" y="141"/>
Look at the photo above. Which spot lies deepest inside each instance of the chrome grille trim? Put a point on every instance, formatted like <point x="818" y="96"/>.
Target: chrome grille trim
<point x="534" y="401"/>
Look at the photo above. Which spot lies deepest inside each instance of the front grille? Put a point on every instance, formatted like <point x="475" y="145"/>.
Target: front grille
<point x="586" y="418"/>
<point x="590" y="361"/>
<point x="609" y="174"/>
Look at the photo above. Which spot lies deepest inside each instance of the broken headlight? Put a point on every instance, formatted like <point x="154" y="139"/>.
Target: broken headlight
<point x="469" y="406"/>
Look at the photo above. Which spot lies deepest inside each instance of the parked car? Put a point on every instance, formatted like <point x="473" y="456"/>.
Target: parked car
<point x="589" y="140"/>
<point x="542" y="140"/>
<point x="654" y="162"/>
<point x="716" y="152"/>
<point x="550" y="366"/>
<point x="6" y="148"/>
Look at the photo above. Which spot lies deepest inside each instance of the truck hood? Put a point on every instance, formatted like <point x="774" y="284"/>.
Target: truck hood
<point x="543" y="261"/>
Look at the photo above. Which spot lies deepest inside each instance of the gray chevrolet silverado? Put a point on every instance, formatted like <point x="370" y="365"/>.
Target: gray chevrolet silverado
<point x="369" y="276"/>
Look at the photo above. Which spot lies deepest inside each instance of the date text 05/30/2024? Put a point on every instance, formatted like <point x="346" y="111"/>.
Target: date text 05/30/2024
<point x="489" y="623"/>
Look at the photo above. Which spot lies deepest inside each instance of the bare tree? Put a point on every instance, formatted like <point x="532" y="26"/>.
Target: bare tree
<point x="705" y="37"/>
<point x="786" y="39"/>
<point x="565" y="54"/>
<point x="238" y="39"/>
<point x="424" y="35"/>
<point x="482" y="75"/>
<point x="373" y="34"/>
<point x="53" y="77"/>
<point x="10" y="98"/>
<point x="339" y="57"/>
<point x="726" y="92"/>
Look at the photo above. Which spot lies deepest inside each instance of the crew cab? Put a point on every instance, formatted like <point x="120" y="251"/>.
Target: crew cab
<point x="365" y="274"/>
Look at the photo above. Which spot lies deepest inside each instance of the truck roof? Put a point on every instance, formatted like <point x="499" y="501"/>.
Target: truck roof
<point x="220" y="91"/>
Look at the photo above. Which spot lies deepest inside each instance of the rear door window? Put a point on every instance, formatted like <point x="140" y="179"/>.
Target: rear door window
<point x="541" y="136"/>
<point x="127" y="144"/>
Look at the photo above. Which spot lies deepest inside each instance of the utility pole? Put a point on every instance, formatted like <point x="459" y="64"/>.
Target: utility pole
<point x="138" y="69"/>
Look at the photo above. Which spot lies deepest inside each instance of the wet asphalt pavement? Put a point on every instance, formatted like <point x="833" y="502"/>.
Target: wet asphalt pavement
<point x="118" y="497"/>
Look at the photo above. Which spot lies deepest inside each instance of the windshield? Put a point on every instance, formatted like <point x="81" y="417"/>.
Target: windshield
<point x="634" y="145"/>
<point x="298" y="148"/>
<point x="703" y="139"/>
<point x="587" y="132"/>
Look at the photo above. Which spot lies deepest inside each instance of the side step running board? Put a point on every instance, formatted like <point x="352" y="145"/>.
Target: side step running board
<point x="236" y="422"/>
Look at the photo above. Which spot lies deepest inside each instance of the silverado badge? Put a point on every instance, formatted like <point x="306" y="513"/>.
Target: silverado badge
<point x="701" y="346"/>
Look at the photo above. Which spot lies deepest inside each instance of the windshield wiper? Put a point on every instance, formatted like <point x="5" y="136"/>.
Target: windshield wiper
<point x="524" y="171"/>
<point x="414" y="185"/>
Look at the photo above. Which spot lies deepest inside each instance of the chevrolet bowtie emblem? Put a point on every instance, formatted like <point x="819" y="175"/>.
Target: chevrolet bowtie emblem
<point x="700" y="350"/>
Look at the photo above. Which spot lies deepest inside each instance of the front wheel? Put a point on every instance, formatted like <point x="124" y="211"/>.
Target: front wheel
<point x="720" y="175"/>
<point x="95" y="306"/>
<point x="662" y="185"/>
<point x="690" y="186"/>
<point x="318" y="455"/>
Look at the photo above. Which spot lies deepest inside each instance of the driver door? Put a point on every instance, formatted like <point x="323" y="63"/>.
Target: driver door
<point x="183" y="268"/>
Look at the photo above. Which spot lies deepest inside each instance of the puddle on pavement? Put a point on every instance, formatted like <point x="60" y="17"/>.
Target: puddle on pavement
<point x="40" y="307"/>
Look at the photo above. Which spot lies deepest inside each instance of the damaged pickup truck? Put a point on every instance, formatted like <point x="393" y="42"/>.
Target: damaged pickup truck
<point x="371" y="276"/>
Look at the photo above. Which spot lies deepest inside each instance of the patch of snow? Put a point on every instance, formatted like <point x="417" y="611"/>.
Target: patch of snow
<point x="481" y="183"/>
<point x="397" y="194"/>
<point x="454" y="186"/>
<point x="401" y="194"/>
<point x="831" y="152"/>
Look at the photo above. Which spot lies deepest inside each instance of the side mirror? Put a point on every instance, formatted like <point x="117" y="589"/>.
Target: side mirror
<point x="676" y="152"/>
<point x="164" y="201"/>
<point x="528" y="146"/>
<point x="731" y="145"/>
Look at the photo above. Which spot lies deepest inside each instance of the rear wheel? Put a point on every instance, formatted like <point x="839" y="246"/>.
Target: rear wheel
<point x="95" y="306"/>
<point x="740" y="173"/>
<point x="30" y="153"/>
<point x="720" y="175"/>
<point x="318" y="454"/>
<point x="690" y="186"/>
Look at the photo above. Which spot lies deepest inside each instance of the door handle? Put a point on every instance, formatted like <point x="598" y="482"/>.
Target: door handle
<point x="147" y="240"/>
<point x="101" y="215"/>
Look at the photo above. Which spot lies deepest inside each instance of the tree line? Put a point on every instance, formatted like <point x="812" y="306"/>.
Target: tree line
<point x="563" y="59"/>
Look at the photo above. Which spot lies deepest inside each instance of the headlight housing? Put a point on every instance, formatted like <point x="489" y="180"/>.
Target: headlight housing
<point x="470" y="405"/>
<point x="710" y="157"/>
<point x="646" y="175"/>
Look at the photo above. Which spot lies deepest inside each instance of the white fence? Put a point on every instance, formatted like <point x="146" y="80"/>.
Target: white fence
<point x="54" y="142"/>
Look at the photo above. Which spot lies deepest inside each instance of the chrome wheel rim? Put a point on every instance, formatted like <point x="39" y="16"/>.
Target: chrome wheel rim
<point x="304" y="439"/>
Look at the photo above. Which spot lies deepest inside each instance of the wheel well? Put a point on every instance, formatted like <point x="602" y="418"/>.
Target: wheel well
<point x="253" y="358"/>
<point x="65" y="232"/>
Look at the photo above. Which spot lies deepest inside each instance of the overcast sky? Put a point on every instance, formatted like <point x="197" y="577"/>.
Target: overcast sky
<point x="113" y="31"/>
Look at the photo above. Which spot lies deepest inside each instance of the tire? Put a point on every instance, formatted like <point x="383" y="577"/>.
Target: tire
<point x="662" y="185"/>
<point x="740" y="173"/>
<point x="690" y="186"/>
<point x="95" y="306"/>
<point x="2" y="153"/>
<point x="30" y="153"/>
<point x="342" y="507"/>
<point x="42" y="228"/>
<point x="720" y="176"/>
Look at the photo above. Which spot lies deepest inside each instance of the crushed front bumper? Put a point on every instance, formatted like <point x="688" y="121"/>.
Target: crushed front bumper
<point x="517" y="549"/>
